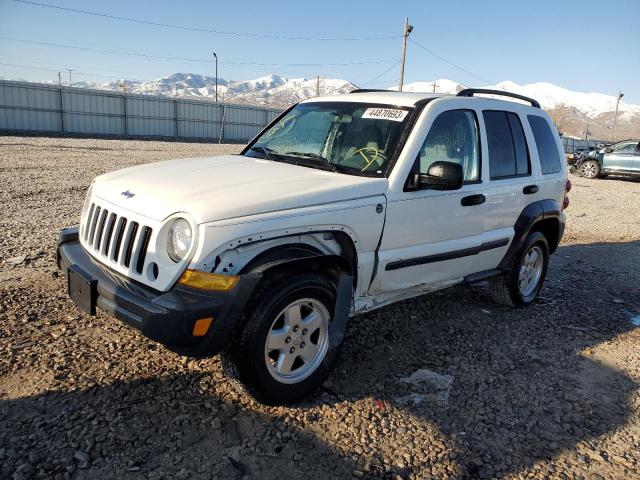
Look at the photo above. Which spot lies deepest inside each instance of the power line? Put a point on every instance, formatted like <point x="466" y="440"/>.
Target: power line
<point x="204" y="30"/>
<point x="488" y="82"/>
<point x="84" y="74"/>
<point x="381" y="74"/>
<point x="193" y="60"/>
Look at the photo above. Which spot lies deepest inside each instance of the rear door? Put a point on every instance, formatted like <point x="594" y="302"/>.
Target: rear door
<point x="622" y="157"/>
<point x="431" y="237"/>
<point x="511" y="180"/>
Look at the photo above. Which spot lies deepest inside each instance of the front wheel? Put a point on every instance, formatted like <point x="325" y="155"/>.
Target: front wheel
<point x="284" y="351"/>
<point x="590" y="169"/>
<point x="521" y="283"/>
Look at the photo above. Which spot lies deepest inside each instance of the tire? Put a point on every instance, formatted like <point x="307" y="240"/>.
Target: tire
<point x="512" y="289"/>
<point x="590" y="169"/>
<point x="282" y="376"/>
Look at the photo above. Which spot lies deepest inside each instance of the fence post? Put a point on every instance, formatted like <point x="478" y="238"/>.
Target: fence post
<point x="224" y="112"/>
<point x="175" y="116"/>
<point x="124" y="117"/>
<point x="61" y="101"/>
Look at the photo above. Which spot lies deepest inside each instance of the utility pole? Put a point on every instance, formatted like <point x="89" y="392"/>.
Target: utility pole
<point x="405" y="33"/>
<point x="435" y="86"/>
<point x="317" y="85"/>
<point x="586" y="132"/>
<point x="59" y="79"/>
<point x="615" y="115"/>
<point x="216" y="57"/>
<point x="69" y="70"/>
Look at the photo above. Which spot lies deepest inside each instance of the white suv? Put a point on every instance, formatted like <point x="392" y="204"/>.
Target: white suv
<point x="342" y="205"/>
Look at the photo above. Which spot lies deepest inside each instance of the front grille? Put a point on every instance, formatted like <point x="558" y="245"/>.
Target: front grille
<point x="115" y="239"/>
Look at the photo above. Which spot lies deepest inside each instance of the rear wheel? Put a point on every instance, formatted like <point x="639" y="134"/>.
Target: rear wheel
<point x="521" y="283"/>
<point x="283" y="352"/>
<point x="590" y="169"/>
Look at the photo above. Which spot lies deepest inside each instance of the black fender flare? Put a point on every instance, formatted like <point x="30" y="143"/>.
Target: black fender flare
<point x="298" y="258"/>
<point x="531" y="215"/>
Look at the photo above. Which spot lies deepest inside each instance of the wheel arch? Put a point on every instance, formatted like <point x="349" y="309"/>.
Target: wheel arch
<point x="295" y="256"/>
<point x="543" y="216"/>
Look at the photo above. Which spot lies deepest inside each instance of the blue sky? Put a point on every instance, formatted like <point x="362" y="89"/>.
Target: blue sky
<point x="580" y="45"/>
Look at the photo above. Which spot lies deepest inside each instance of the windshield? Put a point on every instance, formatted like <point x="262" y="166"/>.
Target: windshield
<point x="347" y="137"/>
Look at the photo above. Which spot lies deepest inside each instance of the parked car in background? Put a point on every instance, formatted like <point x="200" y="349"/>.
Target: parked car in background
<point x="576" y="155"/>
<point x="622" y="158"/>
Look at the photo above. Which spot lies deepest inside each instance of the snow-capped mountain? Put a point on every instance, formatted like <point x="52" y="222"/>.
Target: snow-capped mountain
<point x="549" y="95"/>
<point x="273" y="89"/>
<point x="573" y="112"/>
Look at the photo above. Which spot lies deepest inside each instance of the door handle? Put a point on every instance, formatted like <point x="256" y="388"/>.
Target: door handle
<point x="530" y="189"/>
<point x="472" y="200"/>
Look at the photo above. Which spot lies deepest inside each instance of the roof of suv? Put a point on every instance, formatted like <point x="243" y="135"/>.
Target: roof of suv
<point x="405" y="99"/>
<point x="409" y="99"/>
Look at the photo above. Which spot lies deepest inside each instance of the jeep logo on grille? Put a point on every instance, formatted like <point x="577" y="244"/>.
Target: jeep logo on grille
<point x="128" y="194"/>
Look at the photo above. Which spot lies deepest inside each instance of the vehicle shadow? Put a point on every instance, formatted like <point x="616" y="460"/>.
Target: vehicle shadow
<point x="173" y="426"/>
<point x="505" y="389"/>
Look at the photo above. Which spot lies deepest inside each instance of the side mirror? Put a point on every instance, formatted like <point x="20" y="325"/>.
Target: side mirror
<point x="440" y="176"/>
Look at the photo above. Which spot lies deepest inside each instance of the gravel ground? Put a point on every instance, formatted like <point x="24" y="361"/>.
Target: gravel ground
<point x="443" y="386"/>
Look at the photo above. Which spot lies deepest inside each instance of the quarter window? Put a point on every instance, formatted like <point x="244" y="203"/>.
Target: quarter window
<point x="453" y="137"/>
<point x="508" y="152"/>
<point x="546" y="144"/>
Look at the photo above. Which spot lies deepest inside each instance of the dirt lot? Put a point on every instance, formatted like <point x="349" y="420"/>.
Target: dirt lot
<point x="550" y="391"/>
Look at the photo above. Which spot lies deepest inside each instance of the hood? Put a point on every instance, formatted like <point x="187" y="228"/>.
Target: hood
<point x="230" y="186"/>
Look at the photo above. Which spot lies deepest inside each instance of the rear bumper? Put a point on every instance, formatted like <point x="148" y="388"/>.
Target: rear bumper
<point x="166" y="317"/>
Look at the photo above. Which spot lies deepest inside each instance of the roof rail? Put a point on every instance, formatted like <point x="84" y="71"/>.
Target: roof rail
<point x="369" y="90"/>
<point x="470" y="92"/>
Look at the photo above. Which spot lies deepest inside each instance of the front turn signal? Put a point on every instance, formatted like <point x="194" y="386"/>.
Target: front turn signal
<point x="208" y="281"/>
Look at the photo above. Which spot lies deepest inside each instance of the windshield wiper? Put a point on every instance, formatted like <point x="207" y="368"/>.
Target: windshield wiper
<point x="266" y="151"/>
<point x="325" y="163"/>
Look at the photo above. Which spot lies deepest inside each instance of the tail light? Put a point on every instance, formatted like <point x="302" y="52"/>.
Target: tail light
<point x="567" y="189"/>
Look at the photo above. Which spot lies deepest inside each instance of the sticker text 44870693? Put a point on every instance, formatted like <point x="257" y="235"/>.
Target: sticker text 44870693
<point x="393" y="114"/>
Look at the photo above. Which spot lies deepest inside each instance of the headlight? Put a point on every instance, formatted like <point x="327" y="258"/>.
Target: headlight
<point x="180" y="239"/>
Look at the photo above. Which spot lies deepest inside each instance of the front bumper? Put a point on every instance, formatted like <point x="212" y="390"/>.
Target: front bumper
<point x="166" y="317"/>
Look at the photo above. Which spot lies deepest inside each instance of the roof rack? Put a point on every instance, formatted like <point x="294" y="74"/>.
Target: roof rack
<point x="369" y="90"/>
<point x="470" y="92"/>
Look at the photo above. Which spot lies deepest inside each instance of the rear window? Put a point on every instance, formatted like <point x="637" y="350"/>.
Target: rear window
<point x="546" y="144"/>
<point x="508" y="152"/>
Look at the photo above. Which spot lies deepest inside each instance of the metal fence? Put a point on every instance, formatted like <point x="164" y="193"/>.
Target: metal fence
<point x="26" y="106"/>
<point x="573" y="144"/>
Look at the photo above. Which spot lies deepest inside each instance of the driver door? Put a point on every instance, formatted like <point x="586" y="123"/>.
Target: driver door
<point x="432" y="237"/>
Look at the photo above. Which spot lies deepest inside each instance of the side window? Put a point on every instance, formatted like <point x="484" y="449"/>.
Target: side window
<point x="453" y="137"/>
<point x="508" y="152"/>
<point x="625" y="148"/>
<point x="523" y="165"/>
<point x="546" y="144"/>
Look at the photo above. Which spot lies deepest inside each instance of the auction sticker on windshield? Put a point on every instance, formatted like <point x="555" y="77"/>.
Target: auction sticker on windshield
<point x="393" y="114"/>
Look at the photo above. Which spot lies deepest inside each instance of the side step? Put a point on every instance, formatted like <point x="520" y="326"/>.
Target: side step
<point x="481" y="276"/>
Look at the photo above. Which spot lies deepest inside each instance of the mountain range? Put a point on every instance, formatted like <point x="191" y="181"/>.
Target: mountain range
<point x="572" y="111"/>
